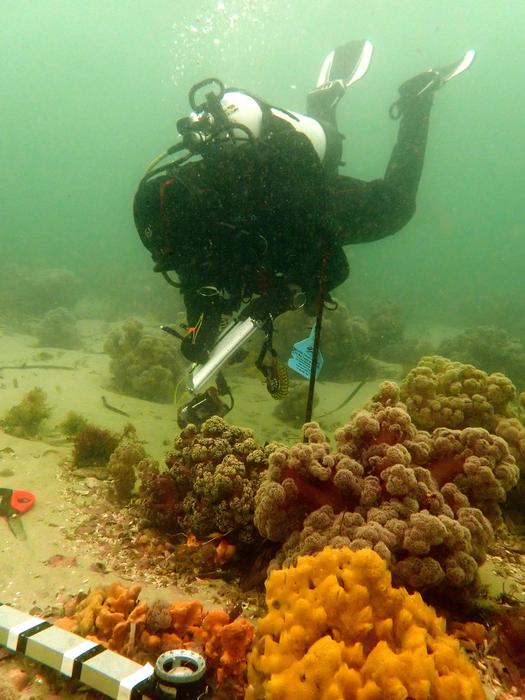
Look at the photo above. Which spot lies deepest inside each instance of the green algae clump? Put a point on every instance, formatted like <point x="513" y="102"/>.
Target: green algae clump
<point x="25" y="419"/>
<point x="72" y="425"/>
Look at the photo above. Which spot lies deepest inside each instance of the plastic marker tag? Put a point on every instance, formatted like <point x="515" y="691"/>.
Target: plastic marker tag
<point x="301" y="358"/>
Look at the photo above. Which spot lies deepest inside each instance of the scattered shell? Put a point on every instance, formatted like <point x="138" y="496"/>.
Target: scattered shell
<point x="19" y="679"/>
<point x="61" y="560"/>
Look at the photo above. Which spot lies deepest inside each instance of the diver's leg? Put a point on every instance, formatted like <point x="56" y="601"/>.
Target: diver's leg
<point x="368" y="211"/>
<point x="321" y="103"/>
<point x="413" y="108"/>
<point x="405" y="166"/>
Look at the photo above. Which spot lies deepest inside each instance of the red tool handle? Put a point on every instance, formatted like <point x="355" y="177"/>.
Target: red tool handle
<point x="22" y="501"/>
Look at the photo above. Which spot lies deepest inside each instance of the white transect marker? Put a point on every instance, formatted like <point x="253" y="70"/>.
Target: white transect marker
<point x="68" y="660"/>
<point x="16" y="631"/>
<point x="127" y="684"/>
<point x="111" y="674"/>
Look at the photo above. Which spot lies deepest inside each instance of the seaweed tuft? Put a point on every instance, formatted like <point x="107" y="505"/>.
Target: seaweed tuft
<point x="93" y="447"/>
<point x="25" y="419"/>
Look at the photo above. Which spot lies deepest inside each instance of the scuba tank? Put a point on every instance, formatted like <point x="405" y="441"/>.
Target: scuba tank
<point x="233" y="117"/>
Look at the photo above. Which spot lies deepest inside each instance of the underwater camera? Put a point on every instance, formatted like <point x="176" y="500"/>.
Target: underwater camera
<point x="206" y="404"/>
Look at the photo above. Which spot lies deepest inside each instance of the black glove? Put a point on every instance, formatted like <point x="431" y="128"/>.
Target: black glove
<point x="203" y="328"/>
<point x="194" y="350"/>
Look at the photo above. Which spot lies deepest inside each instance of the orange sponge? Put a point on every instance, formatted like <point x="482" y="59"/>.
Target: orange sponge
<point x="336" y="629"/>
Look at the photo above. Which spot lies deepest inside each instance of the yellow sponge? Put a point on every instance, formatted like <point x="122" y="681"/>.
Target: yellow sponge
<point x="336" y="629"/>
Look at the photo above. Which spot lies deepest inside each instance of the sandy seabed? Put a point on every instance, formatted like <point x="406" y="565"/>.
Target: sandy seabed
<point x="30" y="578"/>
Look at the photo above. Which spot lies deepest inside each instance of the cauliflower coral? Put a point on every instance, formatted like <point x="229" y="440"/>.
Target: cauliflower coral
<point x="422" y="501"/>
<point x="441" y="393"/>
<point x="210" y="483"/>
<point x="144" y="365"/>
<point x="336" y="629"/>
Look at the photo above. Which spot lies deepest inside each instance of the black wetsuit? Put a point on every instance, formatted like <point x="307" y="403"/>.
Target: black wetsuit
<point x="368" y="211"/>
<point x="251" y="220"/>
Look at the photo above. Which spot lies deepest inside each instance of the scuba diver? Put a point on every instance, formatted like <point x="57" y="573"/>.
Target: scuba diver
<point x="251" y="214"/>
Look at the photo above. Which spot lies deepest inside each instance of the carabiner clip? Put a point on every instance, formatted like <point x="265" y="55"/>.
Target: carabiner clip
<point x="208" y="291"/>
<point x="395" y="110"/>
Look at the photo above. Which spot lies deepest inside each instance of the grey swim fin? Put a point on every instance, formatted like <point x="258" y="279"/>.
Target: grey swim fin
<point x="454" y="69"/>
<point x="423" y="85"/>
<point x="343" y="67"/>
<point x="346" y="64"/>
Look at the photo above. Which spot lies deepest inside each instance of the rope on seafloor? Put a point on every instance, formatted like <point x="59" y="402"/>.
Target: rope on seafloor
<point x="113" y="408"/>
<point x="24" y="366"/>
<point x="348" y="398"/>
